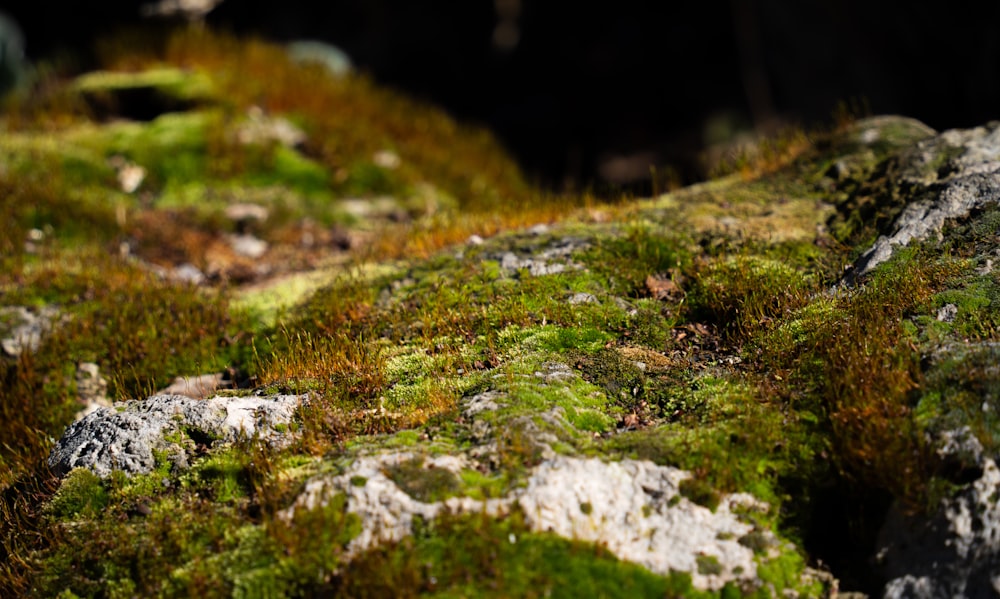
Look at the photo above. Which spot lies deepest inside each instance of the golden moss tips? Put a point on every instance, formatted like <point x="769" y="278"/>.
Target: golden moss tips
<point x="746" y="294"/>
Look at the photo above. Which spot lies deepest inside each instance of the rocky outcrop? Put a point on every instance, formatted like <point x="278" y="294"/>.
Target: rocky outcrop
<point x="947" y="177"/>
<point x="632" y="507"/>
<point x="956" y="551"/>
<point x="132" y="435"/>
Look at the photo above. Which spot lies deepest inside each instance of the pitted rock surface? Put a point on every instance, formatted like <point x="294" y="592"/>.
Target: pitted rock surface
<point x="126" y="436"/>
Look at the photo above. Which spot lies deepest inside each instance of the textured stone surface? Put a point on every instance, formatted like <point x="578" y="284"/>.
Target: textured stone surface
<point x="955" y="552"/>
<point x="127" y="436"/>
<point x="947" y="176"/>
<point x="631" y="507"/>
<point x="550" y="258"/>
<point x="635" y="510"/>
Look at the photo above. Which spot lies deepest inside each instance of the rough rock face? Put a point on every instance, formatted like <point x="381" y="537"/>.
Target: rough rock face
<point x="635" y="509"/>
<point x="956" y="552"/>
<point x="128" y="436"/>
<point x="949" y="176"/>
<point x="632" y="507"/>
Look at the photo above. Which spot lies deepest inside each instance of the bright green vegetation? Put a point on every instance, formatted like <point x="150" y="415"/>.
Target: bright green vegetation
<point x="701" y="330"/>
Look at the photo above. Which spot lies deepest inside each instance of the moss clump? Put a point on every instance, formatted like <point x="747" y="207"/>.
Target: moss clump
<point x="424" y="482"/>
<point x="608" y="369"/>
<point x="744" y="295"/>
<point x="700" y="492"/>
<point x="709" y="565"/>
<point x="81" y="493"/>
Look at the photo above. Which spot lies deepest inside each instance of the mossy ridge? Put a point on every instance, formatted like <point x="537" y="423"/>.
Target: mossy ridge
<point x="226" y="502"/>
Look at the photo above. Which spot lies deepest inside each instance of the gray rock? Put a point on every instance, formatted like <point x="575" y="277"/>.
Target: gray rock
<point x="127" y="436"/>
<point x="244" y="212"/>
<point x="261" y="129"/>
<point x="330" y="57"/>
<point x="947" y="313"/>
<point x="955" y="552"/>
<point x="248" y="246"/>
<point x="949" y="176"/>
<point x="13" y="65"/>
<point x="188" y="273"/>
<point x="551" y="258"/>
<point x="482" y="402"/>
<point x="582" y="298"/>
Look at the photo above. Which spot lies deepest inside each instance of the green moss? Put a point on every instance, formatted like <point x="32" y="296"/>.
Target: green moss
<point x="607" y="368"/>
<point x="480" y="556"/>
<point x="700" y="492"/>
<point x="424" y="482"/>
<point x="478" y="485"/>
<point x="170" y="81"/>
<point x="744" y="295"/>
<point x="81" y="493"/>
<point x="708" y="565"/>
<point x="644" y="249"/>
<point x="786" y="572"/>
<point x="755" y="540"/>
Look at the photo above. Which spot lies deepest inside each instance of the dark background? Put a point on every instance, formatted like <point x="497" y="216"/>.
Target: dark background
<point x="587" y="93"/>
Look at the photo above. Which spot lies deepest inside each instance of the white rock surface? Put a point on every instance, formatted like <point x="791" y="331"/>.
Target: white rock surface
<point x="631" y="507"/>
<point x="634" y="509"/>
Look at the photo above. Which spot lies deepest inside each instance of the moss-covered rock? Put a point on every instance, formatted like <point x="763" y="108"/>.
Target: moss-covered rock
<point x="715" y="392"/>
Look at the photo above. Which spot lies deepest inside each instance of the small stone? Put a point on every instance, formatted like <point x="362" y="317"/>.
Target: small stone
<point x="386" y="159"/>
<point x="188" y="273"/>
<point x="197" y="387"/>
<point x="243" y="212"/>
<point x="947" y="313"/>
<point x="248" y="246"/>
<point x="582" y="298"/>
<point x="130" y="177"/>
